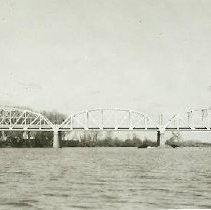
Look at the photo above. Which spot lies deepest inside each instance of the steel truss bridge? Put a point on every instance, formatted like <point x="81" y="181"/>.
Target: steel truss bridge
<point x="14" y="119"/>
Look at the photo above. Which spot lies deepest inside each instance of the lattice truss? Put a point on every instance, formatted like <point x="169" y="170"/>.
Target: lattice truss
<point x="14" y="118"/>
<point x="114" y="119"/>
<point x="191" y="120"/>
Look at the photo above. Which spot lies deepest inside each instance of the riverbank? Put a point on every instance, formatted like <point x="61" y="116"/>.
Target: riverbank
<point x="44" y="143"/>
<point x="189" y="144"/>
<point x="47" y="142"/>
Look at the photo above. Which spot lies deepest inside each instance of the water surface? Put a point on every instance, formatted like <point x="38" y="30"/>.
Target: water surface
<point x="105" y="178"/>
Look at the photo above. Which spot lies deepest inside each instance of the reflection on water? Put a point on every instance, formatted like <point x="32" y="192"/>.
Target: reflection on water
<point x="105" y="178"/>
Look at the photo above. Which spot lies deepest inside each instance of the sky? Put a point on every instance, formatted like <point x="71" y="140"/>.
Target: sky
<point x="152" y="56"/>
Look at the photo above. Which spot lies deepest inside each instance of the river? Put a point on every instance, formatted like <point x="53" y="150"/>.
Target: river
<point x="105" y="178"/>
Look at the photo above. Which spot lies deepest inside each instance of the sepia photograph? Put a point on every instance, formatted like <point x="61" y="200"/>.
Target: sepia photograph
<point x="105" y="104"/>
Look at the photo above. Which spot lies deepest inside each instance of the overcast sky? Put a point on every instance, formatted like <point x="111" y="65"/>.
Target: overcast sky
<point x="70" y="55"/>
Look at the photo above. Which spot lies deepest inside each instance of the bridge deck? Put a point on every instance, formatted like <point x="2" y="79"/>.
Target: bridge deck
<point x="101" y="129"/>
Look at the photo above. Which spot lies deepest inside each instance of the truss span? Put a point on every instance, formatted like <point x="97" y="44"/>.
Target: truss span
<point x="21" y="119"/>
<point x="193" y="120"/>
<point x="108" y="119"/>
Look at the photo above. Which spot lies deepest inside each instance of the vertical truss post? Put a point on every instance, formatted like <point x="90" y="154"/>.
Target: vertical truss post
<point x="208" y="120"/>
<point x="130" y="120"/>
<point x="10" y="118"/>
<point x="25" y="116"/>
<point x="203" y="114"/>
<point x="102" y="119"/>
<point x="190" y="119"/>
<point x="161" y="120"/>
<point x="204" y="117"/>
<point x="145" y="122"/>
<point x="177" y="123"/>
<point x="40" y="123"/>
<point x="71" y="122"/>
<point x="87" y="120"/>
<point x="115" y="120"/>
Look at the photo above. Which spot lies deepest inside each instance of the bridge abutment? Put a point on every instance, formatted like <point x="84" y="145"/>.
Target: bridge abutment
<point x="160" y="138"/>
<point x="56" y="139"/>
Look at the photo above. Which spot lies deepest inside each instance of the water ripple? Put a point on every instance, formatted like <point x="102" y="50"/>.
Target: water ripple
<point x="105" y="178"/>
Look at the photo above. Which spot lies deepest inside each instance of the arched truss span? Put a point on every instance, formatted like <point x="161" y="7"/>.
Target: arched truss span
<point x="22" y="119"/>
<point x="197" y="119"/>
<point x="108" y="119"/>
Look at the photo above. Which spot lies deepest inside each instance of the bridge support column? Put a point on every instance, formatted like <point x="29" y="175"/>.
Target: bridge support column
<point x="3" y="136"/>
<point x="160" y="138"/>
<point x="26" y="135"/>
<point x="56" y="139"/>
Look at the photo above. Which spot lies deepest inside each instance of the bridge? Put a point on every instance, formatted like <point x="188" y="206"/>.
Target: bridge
<point x="17" y="119"/>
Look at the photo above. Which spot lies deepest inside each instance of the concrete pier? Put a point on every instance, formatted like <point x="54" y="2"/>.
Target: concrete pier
<point x="160" y="138"/>
<point x="56" y="139"/>
<point x="3" y="136"/>
<point x="26" y="135"/>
